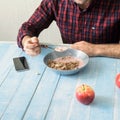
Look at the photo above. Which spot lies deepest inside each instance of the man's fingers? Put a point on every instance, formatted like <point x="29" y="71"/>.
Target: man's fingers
<point x="31" y="46"/>
<point x="34" y="40"/>
<point x="33" y="53"/>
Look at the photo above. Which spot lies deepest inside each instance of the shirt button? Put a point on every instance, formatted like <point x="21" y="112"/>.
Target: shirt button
<point x="93" y="28"/>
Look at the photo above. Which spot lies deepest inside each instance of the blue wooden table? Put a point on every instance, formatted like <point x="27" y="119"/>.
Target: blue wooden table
<point x="41" y="94"/>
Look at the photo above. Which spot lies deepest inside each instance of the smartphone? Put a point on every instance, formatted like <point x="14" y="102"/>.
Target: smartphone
<point x="20" y="63"/>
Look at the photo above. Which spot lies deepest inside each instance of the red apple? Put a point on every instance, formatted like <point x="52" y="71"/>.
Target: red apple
<point x="85" y="94"/>
<point x="117" y="80"/>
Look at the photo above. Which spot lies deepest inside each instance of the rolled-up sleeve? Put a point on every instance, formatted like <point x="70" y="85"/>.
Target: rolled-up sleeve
<point x="41" y="19"/>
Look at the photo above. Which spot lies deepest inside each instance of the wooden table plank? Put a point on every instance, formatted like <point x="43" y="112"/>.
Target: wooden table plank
<point x="6" y="60"/>
<point x="104" y="102"/>
<point x="6" y="65"/>
<point x="117" y="95"/>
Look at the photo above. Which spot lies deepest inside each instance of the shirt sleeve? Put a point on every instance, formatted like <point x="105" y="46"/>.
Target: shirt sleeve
<point x="41" y="19"/>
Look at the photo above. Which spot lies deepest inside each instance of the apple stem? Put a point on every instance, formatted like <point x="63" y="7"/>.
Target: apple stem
<point x="83" y="87"/>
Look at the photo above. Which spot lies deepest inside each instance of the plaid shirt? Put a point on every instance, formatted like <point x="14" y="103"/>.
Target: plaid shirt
<point x="99" y="23"/>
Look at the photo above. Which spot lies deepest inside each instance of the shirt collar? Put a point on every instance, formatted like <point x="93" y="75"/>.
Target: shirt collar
<point x="91" y="5"/>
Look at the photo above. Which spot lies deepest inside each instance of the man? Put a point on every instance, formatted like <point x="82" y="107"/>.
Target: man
<point x="92" y="26"/>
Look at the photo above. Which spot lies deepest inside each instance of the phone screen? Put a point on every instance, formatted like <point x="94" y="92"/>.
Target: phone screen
<point x="20" y="63"/>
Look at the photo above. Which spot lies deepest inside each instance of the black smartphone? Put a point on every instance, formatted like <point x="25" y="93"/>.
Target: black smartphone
<point x="20" y="63"/>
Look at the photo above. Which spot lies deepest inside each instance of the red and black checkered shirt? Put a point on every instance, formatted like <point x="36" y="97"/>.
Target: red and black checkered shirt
<point x="99" y="23"/>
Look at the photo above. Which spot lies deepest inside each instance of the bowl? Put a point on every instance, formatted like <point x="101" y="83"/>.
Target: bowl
<point x="69" y="52"/>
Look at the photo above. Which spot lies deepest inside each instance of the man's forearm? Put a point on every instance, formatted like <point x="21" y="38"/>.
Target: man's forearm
<point x="109" y="50"/>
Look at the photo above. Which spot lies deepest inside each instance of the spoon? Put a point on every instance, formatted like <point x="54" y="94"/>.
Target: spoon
<point x="59" y="48"/>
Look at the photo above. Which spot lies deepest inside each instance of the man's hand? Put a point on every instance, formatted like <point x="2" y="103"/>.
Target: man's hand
<point x="108" y="50"/>
<point x="31" y="45"/>
<point x="86" y="47"/>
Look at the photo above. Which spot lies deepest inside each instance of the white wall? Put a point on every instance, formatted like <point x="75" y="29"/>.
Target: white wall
<point x="14" y="13"/>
